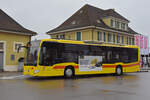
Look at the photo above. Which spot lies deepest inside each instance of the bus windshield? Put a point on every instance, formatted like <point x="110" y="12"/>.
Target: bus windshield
<point x="32" y="53"/>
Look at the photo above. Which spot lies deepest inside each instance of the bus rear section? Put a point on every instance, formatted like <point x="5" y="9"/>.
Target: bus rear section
<point x="56" y="58"/>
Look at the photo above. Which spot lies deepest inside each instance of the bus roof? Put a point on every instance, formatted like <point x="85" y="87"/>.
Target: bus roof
<point x="89" y="43"/>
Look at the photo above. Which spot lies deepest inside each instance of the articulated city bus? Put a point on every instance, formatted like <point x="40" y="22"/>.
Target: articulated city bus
<point x="52" y="57"/>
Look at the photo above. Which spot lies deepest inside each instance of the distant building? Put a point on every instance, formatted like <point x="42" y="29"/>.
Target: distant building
<point x="12" y="35"/>
<point x="94" y="24"/>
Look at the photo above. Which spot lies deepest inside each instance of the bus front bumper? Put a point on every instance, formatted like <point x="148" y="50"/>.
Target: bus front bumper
<point x="30" y="70"/>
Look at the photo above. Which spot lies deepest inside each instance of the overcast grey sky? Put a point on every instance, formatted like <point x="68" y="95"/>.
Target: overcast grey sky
<point x="43" y="15"/>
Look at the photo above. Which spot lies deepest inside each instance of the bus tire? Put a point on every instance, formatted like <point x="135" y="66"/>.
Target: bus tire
<point x="119" y="71"/>
<point x="69" y="72"/>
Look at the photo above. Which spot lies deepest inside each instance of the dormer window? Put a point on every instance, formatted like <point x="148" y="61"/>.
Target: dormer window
<point x="126" y="26"/>
<point x="74" y="22"/>
<point x="112" y="23"/>
<point x="123" y="26"/>
<point x="98" y="21"/>
<point x="118" y="24"/>
<point x="81" y="11"/>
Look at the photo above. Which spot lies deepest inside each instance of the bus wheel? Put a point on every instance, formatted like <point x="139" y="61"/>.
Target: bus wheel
<point x="69" y="72"/>
<point x="119" y="71"/>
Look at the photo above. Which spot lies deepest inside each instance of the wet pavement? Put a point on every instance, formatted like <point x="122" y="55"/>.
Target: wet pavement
<point x="131" y="86"/>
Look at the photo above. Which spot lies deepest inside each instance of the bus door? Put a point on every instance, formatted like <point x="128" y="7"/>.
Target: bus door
<point x="49" y="55"/>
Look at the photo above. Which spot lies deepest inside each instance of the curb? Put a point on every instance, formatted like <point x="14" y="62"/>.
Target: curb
<point x="7" y="74"/>
<point x="143" y="71"/>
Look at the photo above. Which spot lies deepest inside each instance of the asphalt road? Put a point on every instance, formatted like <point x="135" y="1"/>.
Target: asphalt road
<point x="132" y="86"/>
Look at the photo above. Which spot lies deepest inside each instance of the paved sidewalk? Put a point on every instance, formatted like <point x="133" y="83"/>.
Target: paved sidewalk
<point x="7" y="74"/>
<point x="146" y="68"/>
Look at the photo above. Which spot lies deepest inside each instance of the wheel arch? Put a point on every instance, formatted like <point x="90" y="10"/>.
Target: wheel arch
<point x="70" y="66"/>
<point x="119" y="66"/>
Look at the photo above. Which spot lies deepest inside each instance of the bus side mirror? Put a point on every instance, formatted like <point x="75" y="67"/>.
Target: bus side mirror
<point x="20" y="48"/>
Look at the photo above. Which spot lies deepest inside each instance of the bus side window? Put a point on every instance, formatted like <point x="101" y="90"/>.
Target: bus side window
<point x="125" y="56"/>
<point x="109" y="56"/>
<point x="115" y="57"/>
<point x="134" y="53"/>
<point x="49" y="54"/>
<point x="45" y="56"/>
<point x="71" y="53"/>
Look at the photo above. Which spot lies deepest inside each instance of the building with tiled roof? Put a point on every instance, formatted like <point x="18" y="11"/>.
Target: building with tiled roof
<point x="94" y="24"/>
<point x="12" y="35"/>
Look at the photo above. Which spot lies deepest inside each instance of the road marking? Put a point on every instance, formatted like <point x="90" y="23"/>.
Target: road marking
<point x="11" y="77"/>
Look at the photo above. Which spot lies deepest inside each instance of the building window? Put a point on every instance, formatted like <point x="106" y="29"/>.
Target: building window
<point x="69" y="37"/>
<point x="123" y="26"/>
<point x="104" y="37"/>
<point x="118" y="38"/>
<point x="122" y="40"/>
<point x="133" y="41"/>
<point x="109" y="37"/>
<point x="117" y="24"/>
<point x="114" y="39"/>
<point x="62" y="36"/>
<point x="78" y="36"/>
<point x="12" y="57"/>
<point x="126" y="26"/>
<point x="127" y="40"/>
<point x="74" y="22"/>
<point x="17" y="45"/>
<point x="98" y="21"/>
<point x="57" y="36"/>
<point x="1" y="46"/>
<point x="99" y="34"/>
<point x="112" y="23"/>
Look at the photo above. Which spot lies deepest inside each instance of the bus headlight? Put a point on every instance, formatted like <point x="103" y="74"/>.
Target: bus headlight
<point x="36" y="71"/>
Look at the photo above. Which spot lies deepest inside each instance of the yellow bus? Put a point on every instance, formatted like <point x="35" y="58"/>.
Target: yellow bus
<point x="53" y="57"/>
